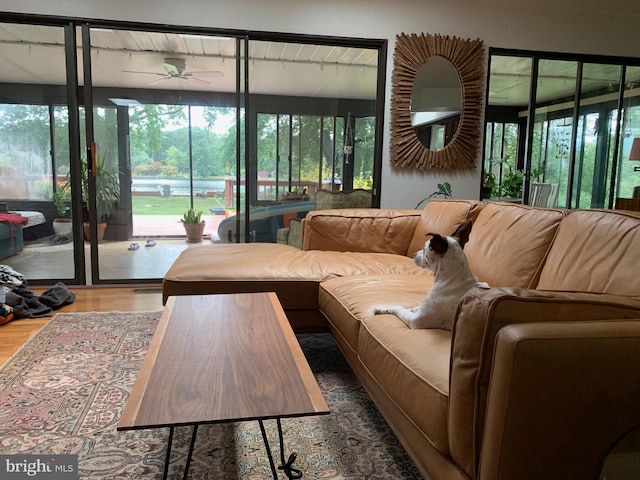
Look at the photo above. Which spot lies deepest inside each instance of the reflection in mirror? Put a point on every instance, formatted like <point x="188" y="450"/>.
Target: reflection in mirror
<point x="508" y="95"/>
<point x="466" y="58"/>
<point x="436" y="102"/>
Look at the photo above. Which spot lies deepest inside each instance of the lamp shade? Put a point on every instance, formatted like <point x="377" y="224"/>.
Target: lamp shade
<point x="635" y="149"/>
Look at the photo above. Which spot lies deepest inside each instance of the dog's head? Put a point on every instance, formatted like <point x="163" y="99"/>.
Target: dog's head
<point x="437" y="246"/>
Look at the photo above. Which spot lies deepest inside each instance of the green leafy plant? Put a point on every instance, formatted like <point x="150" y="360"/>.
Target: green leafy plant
<point x="192" y="216"/>
<point x="59" y="197"/>
<point x="511" y="186"/>
<point x="512" y="181"/>
<point x="444" y="189"/>
<point x="107" y="187"/>
<point x="489" y="185"/>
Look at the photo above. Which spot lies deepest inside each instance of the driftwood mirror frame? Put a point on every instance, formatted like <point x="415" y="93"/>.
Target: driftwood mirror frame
<point x="467" y="57"/>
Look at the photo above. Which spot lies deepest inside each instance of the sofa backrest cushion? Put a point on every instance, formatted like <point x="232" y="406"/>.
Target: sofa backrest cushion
<point x="359" y="230"/>
<point x="595" y="251"/>
<point x="442" y="217"/>
<point x="509" y="243"/>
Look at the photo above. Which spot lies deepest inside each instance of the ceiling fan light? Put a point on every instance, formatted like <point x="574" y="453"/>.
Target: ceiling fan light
<point x="124" y="102"/>
<point x="175" y="66"/>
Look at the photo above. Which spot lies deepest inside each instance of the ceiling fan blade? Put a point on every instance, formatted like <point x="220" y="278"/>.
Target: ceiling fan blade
<point x="209" y="73"/>
<point x="200" y="80"/>
<point x="145" y="73"/>
<point x="164" y="77"/>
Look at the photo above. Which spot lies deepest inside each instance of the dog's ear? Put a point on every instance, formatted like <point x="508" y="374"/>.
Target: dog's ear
<point x="462" y="233"/>
<point x="438" y="244"/>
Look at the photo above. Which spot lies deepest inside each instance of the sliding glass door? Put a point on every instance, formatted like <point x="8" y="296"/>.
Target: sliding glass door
<point x="311" y="111"/>
<point x="37" y="228"/>
<point x="626" y="170"/>
<point x="163" y="125"/>
<point x="570" y="121"/>
<point x="148" y="123"/>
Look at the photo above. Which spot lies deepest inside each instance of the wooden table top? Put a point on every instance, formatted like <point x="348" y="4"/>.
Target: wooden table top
<point x="222" y="358"/>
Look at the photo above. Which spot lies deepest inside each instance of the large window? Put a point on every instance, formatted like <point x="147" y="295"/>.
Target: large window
<point x="126" y="127"/>
<point x="563" y="120"/>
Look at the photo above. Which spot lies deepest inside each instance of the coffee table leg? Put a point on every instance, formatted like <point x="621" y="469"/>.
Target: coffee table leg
<point x="286" y="467"/>
<point x="167" y="458"/>
<point x="191" y="445"/>
<point x="266" y="444"/>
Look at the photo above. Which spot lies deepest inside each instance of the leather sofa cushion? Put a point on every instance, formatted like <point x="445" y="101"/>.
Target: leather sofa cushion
<point x="595" y="251"/>
<point x="345" y="301"/>
<point x="442" y="217"/>
<point x="359" y="230"/>
<point x="509" y="243"/>
<point x="412" y="367"/>
<point x="292" y="273"/>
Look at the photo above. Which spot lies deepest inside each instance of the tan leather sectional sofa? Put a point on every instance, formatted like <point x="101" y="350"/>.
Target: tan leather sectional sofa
<point x="540" y="376"/>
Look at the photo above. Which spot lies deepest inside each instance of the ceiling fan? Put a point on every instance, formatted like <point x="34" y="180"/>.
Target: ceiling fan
<point x="175" y="68"/>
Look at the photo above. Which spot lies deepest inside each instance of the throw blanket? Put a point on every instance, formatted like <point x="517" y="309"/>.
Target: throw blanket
<point x="16" y="301"/>
<point x="11" y="218"/>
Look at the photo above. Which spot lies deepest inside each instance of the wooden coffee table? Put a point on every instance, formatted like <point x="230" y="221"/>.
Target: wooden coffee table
<point x="223" y="358"/>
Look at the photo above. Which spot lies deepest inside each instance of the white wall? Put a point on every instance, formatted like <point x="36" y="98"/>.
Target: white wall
<point x="588" y="26"/>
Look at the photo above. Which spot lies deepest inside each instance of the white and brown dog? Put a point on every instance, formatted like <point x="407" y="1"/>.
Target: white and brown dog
<point x="452" y="279"/>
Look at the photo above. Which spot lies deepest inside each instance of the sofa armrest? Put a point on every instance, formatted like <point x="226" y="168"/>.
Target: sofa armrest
<point x="561" y="395"/>
<point x="360" y="230"/>
<point x="481" y="314"/>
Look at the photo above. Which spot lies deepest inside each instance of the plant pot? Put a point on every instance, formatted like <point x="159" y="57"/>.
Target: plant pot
<point x="62" y="226"/>
<point x="194" y="231"/>
<point x="87" y="231"/>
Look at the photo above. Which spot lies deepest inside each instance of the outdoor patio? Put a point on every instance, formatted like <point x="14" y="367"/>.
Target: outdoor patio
<point x="147" y="226"/>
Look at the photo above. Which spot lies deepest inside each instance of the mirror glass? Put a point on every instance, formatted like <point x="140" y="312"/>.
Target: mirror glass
<point x="436" y="102"/>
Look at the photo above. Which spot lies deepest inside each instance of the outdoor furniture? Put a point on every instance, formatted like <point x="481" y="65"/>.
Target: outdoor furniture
<point x="632" y="204"/>
<point x="11" y="240"/>
<point x="324" y="200"/>
<point x="544" y="195"/>
<point x="33" y="218"/>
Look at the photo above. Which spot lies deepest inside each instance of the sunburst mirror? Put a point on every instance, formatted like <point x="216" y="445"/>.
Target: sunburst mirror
<point x="444" y="132"/>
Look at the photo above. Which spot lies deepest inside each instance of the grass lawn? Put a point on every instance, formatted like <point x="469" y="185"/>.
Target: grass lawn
<point x="176" y="205"/>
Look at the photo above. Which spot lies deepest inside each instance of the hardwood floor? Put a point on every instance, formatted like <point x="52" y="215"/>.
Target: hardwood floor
<point x="88" y="299"/>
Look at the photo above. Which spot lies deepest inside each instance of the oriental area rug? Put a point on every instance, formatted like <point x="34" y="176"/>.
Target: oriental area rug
<point x="63" y="393"/>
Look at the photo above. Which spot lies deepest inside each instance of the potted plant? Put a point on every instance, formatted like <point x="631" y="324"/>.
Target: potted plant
<point x="62" y="225"/>
<point x="511" y="186"/>
<point x="193" y="225"/>
<point x="489" y="185"/>
<point x="107" y="193"/>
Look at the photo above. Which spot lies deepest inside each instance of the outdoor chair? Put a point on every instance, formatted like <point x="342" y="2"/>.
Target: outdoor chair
<point x="544" y="195"/>
<point x="324" y="200"/>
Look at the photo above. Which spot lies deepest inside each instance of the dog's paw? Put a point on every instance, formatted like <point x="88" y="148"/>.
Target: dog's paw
<point x="383" y="310"/>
